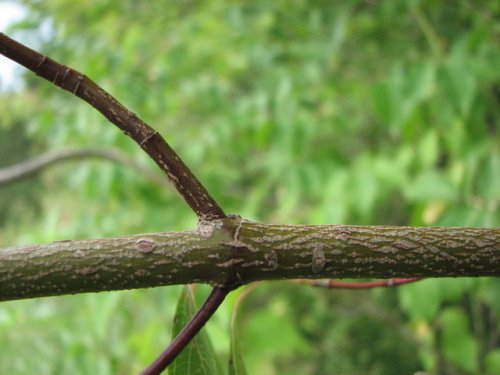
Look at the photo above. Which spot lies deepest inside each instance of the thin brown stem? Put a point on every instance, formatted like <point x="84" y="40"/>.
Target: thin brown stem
<point x="36" y="165"/>
<point x="208" y="308"/>
<point x="188" y="186"/>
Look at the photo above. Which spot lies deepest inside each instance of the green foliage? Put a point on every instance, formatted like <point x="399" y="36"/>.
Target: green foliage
<point x="288" y="111"/>
<point x="199" y="356"/>
<point x="459" y="346"/>
<point x="493" y="362"/>
<point x="236" y="363"/>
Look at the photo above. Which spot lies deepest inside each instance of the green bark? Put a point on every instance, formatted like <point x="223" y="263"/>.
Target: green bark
<point x="233" y="251"/>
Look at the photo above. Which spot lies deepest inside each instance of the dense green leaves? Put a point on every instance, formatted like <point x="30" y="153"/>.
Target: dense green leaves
<point x="493" y="362"/>
<point x="236" y="363"/>
<point x="459" y="345"/>
<point x="289" y="111"/>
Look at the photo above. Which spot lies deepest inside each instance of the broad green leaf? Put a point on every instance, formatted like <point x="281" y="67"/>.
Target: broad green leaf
<point x="429" y="149"/>
<point x="236" y="364"/>
<point x="272" y="333"/>
<point x="420" y="82"/>
<point x="363" y="188"/>
<point x="383" y="101"/>
<point x="103" y="307"/>
<point x="453" y="289"/>
<point x="335" y="199"/>
<point x="420" y="300"/>
<point x="493" y="362"/>
<point x="489" y="291"/>
<point x="198" y="358"/>
<point x="430" y="185"/>
<point x="459" y="346"/>
<point x="459" y="82"/>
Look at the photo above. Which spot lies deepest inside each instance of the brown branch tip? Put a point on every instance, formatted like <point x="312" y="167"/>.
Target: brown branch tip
<point x="185" y="182"/>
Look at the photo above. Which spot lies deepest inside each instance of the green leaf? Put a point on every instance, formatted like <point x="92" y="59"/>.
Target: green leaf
<point x="430" y="185"/>
<point x="103" y="308"/>
<point x="428" y="148"/>
<point x="420" y="300"/>
<point x="236" y="364"/>
<point x="272" y="333"/>
<point x="459" y="346"/>
<point x="493" y="362"/>
<point x="453" y="289"/>
<point x="459" y="82"/>
<point x="419" y="83"/>
<point x="488" y="293"/>
<point x="198" y="358"/>
<point x="383" y="100"/>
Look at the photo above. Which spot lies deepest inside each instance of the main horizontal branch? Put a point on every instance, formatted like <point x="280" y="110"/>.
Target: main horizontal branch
<point x="229" y="252"/>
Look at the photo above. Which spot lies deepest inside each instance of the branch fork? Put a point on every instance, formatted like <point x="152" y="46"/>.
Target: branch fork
<point x="224" y="251"/>
<point x="185" y="182"/>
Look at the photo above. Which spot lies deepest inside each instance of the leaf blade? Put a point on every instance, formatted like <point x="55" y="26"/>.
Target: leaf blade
<point x="198" y="358"/>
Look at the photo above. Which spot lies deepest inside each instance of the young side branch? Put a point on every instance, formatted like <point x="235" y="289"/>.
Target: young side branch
<point x="186" y="183"/>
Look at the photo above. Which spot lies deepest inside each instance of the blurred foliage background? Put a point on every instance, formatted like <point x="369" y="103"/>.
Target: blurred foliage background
<point x="348" y="112"/>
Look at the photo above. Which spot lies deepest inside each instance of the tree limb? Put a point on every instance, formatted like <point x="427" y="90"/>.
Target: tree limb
<point x="185" y="182"/>
<point x="30" y="167"/>
<point x="229" y="252"/>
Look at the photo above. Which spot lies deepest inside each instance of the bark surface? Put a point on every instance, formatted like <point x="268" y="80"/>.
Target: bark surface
<point x="232" y="251"/>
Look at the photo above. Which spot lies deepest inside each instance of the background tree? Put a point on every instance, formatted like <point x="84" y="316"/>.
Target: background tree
<point x="347" y="113"/>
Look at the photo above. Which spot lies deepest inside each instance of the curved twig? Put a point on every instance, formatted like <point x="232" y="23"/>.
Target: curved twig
<point x="208" y="308"/>
<point x="36" y="165"/>
<point x="335" y="284"/>
<point x="186" y="183"/>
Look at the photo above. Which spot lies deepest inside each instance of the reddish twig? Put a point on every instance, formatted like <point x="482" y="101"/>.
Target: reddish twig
<point x="211" y="304"/>
<point x="335" y="284"/>
<point x="188" y="186"/>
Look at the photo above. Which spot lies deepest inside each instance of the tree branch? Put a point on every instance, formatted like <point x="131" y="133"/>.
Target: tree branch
<point x="36" y="165"/>
<point x="188" y="186"/>
<point x="186" y="183"/>
<point x="229" y="252"/>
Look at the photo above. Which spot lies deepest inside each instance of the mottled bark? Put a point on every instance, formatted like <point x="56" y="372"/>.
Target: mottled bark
<point x="229" y="252"/>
